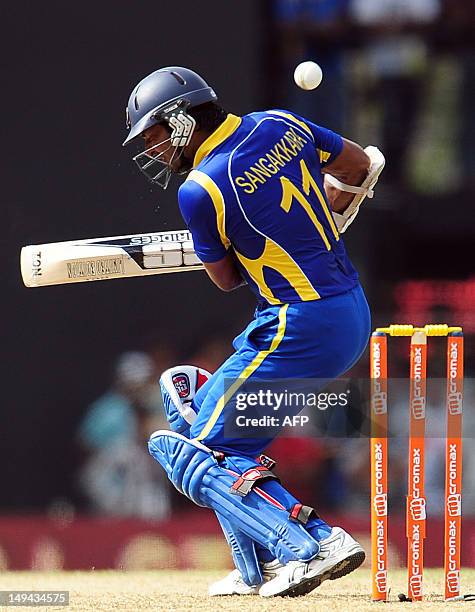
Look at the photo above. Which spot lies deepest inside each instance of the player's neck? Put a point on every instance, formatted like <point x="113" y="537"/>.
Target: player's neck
<point x="197" y="140"/>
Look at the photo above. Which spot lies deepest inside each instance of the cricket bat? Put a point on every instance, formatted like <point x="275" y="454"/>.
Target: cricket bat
<point x="78" y="261"/>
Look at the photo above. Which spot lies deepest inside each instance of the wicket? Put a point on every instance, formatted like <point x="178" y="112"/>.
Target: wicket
<point x="416" y="501"/>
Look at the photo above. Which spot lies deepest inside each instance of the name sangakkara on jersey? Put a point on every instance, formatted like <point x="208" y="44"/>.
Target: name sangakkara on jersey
<point x="271" y="162"/>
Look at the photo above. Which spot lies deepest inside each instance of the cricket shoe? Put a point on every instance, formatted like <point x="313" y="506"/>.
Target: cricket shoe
<point x="339" y="555"/>
<point x="233" y="584"/>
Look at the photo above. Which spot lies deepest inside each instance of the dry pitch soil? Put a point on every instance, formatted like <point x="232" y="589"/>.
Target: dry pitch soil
<point x="186" y="590"/>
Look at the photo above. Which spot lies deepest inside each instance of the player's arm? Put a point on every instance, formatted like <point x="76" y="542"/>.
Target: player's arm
<point x="210" y="244"/>
<point x="224" y="273"/>
<point x="350" y="167"/>
<point x="350" y="173"/>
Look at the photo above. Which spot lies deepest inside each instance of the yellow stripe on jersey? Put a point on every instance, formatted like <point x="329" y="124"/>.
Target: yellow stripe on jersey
<point x="216" y="196"/>
<point x="248" y="371"/>
<point x="289" y="192"/>
<point x="276" y="258"/>
<point x="307" y="182"/>
<point x="294" y="119"/>
<point x="229" y="125"/>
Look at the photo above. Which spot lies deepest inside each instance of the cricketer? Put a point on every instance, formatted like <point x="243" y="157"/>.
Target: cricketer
<point x="265" y="198"/>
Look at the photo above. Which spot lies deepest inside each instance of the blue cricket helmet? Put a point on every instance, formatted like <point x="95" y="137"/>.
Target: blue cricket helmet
<point x="159" y="93"/>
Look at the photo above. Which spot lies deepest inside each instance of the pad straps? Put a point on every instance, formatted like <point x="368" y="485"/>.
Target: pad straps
<point x="302" y="514"/>
<point x="248" y="479"/>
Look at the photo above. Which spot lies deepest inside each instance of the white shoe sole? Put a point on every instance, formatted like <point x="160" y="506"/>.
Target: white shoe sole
<point x="228" y="587"/>
<point x="344" y="562"/>
<point x="234" y="594"/>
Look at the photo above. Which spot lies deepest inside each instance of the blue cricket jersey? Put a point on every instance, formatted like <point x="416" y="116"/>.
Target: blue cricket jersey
<point x="257" y="188"/>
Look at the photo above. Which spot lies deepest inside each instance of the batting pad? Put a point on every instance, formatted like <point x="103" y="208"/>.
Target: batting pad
<point x="195" y="472"/>
<point x="243" y="552"/>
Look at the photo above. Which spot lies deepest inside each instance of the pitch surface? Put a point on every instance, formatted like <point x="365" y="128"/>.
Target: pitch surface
<point x="174" y="591"/>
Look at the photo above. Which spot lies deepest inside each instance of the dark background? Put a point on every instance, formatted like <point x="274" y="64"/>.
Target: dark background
<point x="67" y="71"/>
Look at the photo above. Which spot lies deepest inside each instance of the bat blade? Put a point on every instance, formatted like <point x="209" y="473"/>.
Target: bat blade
<point x="76" y="261"/>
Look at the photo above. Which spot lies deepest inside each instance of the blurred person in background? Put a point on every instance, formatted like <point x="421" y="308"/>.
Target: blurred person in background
<point x="318" y="31"/>
<point x="118" y="476"/>
<point x="395" y="60"/>
<point x="113" y="416"/>
<point x="120" y="479"/>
